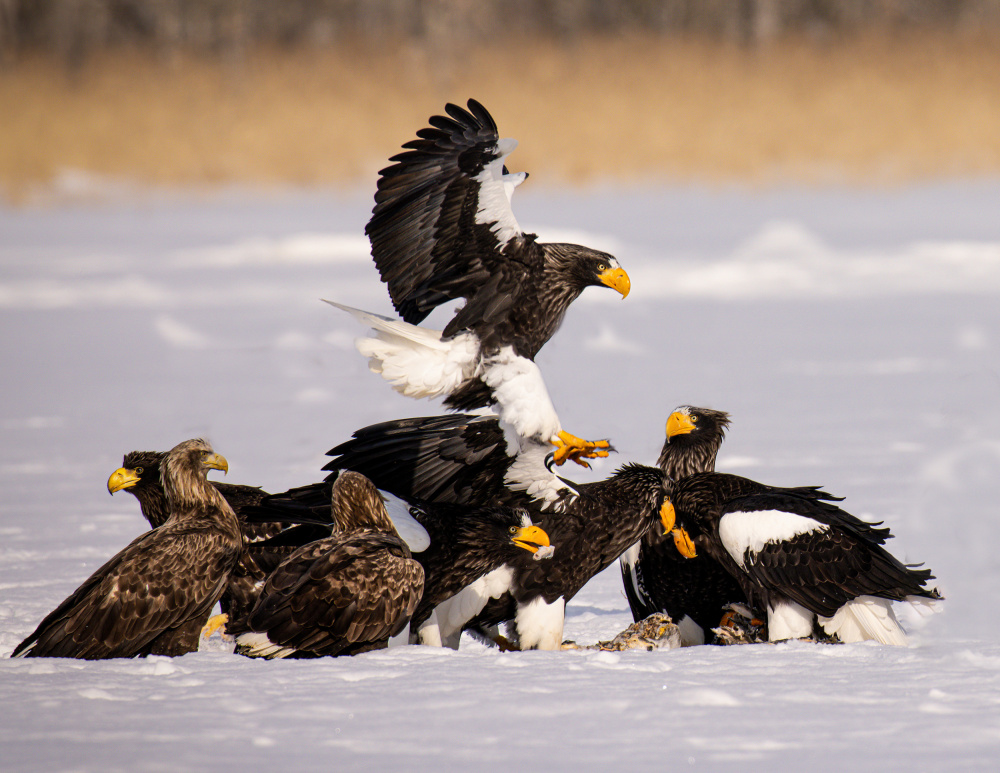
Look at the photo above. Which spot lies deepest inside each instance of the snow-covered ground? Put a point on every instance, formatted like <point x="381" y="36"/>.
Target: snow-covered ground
<point x="852" y="334"/>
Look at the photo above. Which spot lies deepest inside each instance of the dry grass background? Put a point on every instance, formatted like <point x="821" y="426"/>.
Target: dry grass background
<point x="885" y="109"/>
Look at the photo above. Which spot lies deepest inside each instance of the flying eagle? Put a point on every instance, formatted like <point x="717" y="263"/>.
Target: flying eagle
<point x="800" y="557"/>
<point x="464" y="458"/>
<point x="442" y="229"/>
<point x="344" y="594"/>
<point x="657" y="578"/>
<point x="154" y="596"/>
<point x="140" y="476"/>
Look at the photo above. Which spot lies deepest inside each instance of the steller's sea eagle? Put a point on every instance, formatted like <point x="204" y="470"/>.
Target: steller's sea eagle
<point x="442" y="229"/>
<point x="464" y="459"/>
<point x="800" y="557"/>
<point x="657" y="578"/>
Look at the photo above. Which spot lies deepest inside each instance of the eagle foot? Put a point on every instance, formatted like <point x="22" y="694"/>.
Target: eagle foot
<point x="215" y="623"/>
<point x="739" y="626"/>
<point x="504" y="644"/>
<point x="572" y="448"/>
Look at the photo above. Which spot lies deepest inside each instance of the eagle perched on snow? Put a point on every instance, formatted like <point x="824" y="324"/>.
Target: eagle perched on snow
<point x="154" y="596"/>
<point x="442" y="229"/>
<point x="657" y="578"/>
<point x="341" y="595"/>
<point x="799" y="556"/>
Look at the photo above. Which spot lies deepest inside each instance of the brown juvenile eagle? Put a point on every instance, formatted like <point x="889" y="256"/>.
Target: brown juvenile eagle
<point x="442" y="229"/>
<point x="154" y="596"/>
<point x="341" y="595"/>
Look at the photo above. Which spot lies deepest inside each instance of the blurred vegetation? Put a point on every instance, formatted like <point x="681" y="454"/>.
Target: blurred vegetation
<point x="74" y="29"/>
<point x="321" y="92"/>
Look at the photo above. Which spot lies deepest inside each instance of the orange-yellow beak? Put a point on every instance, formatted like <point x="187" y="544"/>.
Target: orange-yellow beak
<point x="530" y="538"/>
<point x="684" y="543"/>
<point x="679" y="423"/>
<point x="122" y="478"/>
<point x="616" y="279"/>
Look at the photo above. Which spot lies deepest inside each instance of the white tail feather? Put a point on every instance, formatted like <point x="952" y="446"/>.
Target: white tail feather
<point x="257" y="645"/>
<point x="415" y="360"/>
<point x="866" y="618"/>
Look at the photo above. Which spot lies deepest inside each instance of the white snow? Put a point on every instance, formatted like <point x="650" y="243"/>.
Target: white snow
<point x="855" y="347"/>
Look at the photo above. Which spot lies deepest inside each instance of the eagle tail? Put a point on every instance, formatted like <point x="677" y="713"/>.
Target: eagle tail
<point x="866" y="618"/>
<point x="257" y="645"/>
<point x="415" y="360"/>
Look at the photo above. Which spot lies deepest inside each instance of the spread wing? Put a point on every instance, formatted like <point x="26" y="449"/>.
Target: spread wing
<point x="442" y="218"/>
<point x="458" y="459"/>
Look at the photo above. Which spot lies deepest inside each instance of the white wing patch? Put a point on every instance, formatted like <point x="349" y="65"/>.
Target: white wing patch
<point x="522" y="398"/>
<point x="529" y="474"/>
<point x="629" y="559"/>
<point x="494" y="199"/>
<point x="408" y="527"/>
<point x="743" y="532"/>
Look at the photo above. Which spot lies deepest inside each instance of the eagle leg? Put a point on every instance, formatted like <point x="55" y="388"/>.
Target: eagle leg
<point x="215" y="623"/>
<point x="571" y="448"/>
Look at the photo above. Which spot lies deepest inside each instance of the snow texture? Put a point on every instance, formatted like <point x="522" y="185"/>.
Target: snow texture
<point x="852" y="334"/>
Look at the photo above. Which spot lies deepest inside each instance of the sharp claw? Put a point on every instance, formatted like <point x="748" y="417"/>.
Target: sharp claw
<point x="215" y="623"/>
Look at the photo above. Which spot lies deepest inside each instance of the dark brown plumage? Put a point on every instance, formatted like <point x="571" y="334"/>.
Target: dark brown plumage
<point x="465" y="458"/>
<point x="797" y="555"/>
<point x="340" y="595"/>
<point x="466" y="543"/>
<point x="656" y="577"/>
<point x="442" y="229"/>
<point x="140" y="476"/>
<point x="154" y="596"/>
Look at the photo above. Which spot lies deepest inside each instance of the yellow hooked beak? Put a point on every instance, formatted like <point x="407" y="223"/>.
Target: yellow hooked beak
<point x="616" y="279"/>
<point x="684" y="543"/>
<point x="682" y="540"/>
<point x="216" y="462"/>
<point x="679" y="423"/>
<point x="122" y="478"/>
<point x="668" y="516"/>
<point x="531" y="538"/>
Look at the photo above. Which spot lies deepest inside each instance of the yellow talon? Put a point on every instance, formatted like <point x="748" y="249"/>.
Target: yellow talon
<point x="571" y="448"/>
<point x="215" y="623"/>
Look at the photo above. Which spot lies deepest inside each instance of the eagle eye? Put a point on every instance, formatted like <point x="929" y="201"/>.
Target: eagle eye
<point x="138" y="470"/>
<point x="512" y="530"/>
